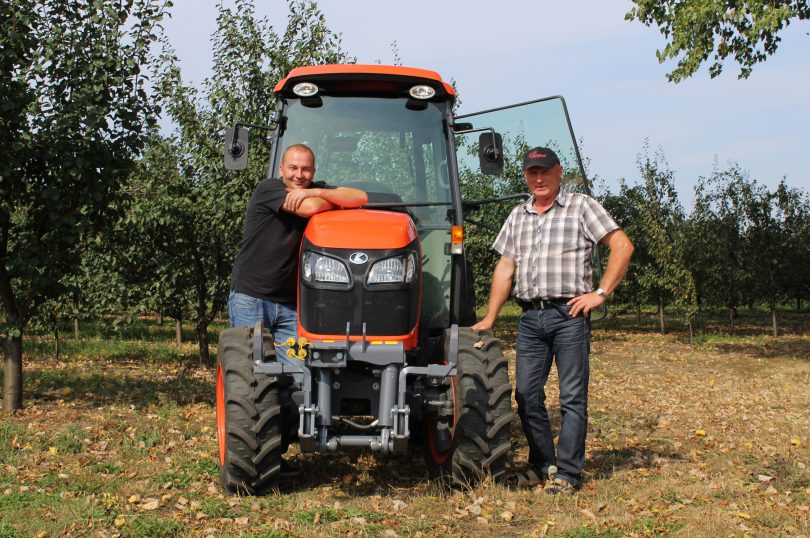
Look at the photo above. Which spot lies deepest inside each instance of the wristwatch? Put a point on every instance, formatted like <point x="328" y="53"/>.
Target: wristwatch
<point x="601" y="293"/>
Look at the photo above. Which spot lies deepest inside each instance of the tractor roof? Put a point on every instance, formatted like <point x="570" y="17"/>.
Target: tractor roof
<point x="349" y="79"/>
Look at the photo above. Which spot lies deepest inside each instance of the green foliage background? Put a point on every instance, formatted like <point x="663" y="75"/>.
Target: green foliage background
<point x="101" y="214"/>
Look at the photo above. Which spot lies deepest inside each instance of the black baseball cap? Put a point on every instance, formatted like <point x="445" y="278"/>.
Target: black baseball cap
<point x="542" y="157"/>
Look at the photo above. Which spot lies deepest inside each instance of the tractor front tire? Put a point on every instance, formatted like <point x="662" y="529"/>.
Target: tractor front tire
<point x="482" y="415"/>
<point x="249" y="416"/>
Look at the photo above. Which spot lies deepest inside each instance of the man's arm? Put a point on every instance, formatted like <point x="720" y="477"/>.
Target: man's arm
<point x="499" y="293"/>
<point x="307" y="202"/>
<point x="621" y="250"/>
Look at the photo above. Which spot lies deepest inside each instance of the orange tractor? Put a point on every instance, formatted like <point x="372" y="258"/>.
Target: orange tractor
<point x="385" y="296"/>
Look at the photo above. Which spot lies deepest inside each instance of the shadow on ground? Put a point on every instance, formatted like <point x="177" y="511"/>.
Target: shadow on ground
<point x="603" y="463"/>
<point x="98" y="389"/>
<point x="784" y="347"/>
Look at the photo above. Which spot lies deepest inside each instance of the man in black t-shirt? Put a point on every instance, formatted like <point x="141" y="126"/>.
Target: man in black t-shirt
<point x="265" y="270"/>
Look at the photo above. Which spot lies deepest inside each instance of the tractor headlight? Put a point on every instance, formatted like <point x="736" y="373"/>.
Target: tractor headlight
<point x="400" y="269"/>
<point x="317" y="268"/>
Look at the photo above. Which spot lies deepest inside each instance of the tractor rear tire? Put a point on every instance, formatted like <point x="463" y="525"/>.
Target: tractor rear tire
<point x="249" y="416"/>
<point x="482" y="415"/>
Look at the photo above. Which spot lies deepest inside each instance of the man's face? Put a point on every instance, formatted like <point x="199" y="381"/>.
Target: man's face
<point x="297" y="169"/>
<point x="544" y="183"/>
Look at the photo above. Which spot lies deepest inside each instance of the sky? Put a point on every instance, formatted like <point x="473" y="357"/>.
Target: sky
<point x="512" y="51"/>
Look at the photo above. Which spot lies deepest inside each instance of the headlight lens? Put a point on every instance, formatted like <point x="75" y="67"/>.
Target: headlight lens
<point x="393" y="270"/>
<point x="317" y="268"/>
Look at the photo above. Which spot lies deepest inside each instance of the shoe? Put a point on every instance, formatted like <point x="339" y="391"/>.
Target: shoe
<point x="288" y="469"/>
<point x="528" y="479"/>
<point x="558" y="485"/>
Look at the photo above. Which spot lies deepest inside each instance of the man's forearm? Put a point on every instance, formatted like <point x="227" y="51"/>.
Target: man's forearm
<point x="346" y="197"/>
<point x="499" y="293"/>
<point x="621" y="250"/>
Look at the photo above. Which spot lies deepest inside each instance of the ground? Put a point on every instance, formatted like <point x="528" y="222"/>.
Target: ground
<point x="711" y="438"/>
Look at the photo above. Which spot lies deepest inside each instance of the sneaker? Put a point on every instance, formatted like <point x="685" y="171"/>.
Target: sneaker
<point x="288" y="469"/>
<point x="558" y="485"/>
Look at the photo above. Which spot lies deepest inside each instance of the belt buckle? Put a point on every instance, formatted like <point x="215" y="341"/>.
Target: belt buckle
<point x="540" y="304"/>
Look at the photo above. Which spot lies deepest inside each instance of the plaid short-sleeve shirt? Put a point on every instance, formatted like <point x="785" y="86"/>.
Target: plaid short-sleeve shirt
<point x="552" y="251"/>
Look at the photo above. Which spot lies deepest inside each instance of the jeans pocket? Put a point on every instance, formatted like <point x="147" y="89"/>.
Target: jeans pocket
<point x="240" y="300"/>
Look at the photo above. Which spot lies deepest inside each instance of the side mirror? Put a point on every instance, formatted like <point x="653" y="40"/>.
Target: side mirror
<point x="490" y="153"/>
<point x="236" y="148"/>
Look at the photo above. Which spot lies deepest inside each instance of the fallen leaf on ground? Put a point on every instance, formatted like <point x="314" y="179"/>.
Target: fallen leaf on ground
<point x="150" y="504"/>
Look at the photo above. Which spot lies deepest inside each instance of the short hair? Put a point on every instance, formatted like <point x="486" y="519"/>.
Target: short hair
<point x="299" y="147"/>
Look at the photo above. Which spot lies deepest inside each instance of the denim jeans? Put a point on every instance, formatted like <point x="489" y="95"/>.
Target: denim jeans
<point x="543" y="336"/>
<point x="280" y="318"/>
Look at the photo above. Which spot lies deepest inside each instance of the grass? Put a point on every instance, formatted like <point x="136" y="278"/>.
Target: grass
<point x="118" y="437"/>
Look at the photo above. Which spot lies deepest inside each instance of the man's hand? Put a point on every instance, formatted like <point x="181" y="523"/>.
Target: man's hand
<point x="483" y="325"/>
<point x="295" y="197"/>
<point x="585" y="303"/>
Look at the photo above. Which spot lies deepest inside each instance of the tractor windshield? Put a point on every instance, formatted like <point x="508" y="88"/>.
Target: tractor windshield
<point x="396" y="153"/>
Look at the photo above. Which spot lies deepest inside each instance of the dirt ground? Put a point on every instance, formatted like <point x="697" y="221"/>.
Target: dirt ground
<point x="707" y="439"/>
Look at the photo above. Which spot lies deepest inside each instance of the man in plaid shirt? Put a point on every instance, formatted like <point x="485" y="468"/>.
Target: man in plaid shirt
<point x="545" y="246"/>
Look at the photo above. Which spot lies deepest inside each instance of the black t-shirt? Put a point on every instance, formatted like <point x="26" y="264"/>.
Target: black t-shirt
<point x="266" y="266"/>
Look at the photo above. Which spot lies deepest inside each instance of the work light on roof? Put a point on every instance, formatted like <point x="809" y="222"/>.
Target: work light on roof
<point x="305" y="89"/>
<point x="422" y="92"/>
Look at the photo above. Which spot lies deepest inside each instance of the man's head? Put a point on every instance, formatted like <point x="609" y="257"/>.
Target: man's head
<point x="543" y="173"/>
<point x="297" y="166"/>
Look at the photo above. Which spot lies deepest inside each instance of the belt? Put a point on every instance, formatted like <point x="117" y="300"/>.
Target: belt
<point x="542" y="304"/>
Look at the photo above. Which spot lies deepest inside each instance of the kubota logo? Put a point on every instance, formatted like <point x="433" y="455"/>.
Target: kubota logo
<point x="537" y="155"/>
<point x="358" y="258"/>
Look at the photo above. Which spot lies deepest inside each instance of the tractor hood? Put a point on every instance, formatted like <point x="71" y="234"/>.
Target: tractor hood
<point x="361" y="229"/>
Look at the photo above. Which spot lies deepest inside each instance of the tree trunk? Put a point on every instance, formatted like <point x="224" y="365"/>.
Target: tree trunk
<point x="774" y="320"/>
<point x="75" y="328"/>
<point x="178" y="331"/>
<point x="798" y="304"/>
<point x="638" y="315"/>
<point x="12" y="373"/>
<point x="732" y="316"/>
<point x="160" y="317"/>
<point x="56" y="338"/>
<point x="661" y="313"/>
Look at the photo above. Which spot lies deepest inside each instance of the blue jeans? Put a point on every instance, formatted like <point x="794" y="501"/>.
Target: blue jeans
<point x="543" y="336"/>
<point x="280" y="318"/>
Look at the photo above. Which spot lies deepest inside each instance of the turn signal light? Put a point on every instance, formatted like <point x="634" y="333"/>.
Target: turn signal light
<point x="457" y="240"/>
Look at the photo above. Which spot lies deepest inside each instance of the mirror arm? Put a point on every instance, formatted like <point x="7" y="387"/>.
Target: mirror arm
<point x="495" y="153"/>
<point x="236" y="148"/>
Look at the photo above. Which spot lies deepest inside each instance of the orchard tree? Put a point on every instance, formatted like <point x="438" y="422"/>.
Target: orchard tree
<point x="660" y="269"/>
<point x="250" y="56"/>
<point x="716" y="242"/>
<point x="794" y="207"/>
<point x="755" y="225"/>
<point x="695" y="30"/>
<point x="74" y="107"/>
<point x="151" y="244"/>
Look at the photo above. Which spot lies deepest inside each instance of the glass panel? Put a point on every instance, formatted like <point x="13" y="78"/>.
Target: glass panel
<point x="539" y="123"/>
<point x="379" y="145"/>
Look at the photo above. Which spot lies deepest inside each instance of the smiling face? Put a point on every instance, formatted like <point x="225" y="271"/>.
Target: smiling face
<point x="544" y="183"/>
<point x="297" y="167"/>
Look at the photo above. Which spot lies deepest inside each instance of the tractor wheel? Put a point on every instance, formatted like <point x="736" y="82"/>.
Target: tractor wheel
<point x="249" y="416"/>
<point x="479" y="441"/>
